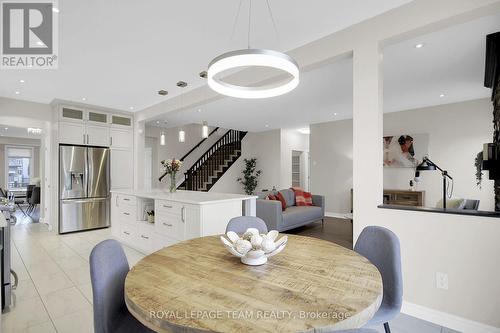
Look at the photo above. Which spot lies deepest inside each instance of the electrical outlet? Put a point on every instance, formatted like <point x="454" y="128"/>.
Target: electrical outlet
<point x="442" y="281"/>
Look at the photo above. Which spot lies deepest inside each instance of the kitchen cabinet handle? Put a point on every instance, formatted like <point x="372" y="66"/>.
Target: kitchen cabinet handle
<point x="126" y="214"/>
<point x="126" y="233"/>
<point x="88" y="139"/>
<point x="165" y="206"/>
<point x="126" y="199"/>
<point x="145" y="237"/>
<point x="183" y="211"/>
<point x="167" y="224"/>
<point x="83" y="138"/>
<point x="110" y="140"/>
<point x="117" y="200"/>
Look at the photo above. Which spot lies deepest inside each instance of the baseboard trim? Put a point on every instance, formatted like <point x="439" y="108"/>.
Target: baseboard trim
<point x="337" y="215"/>
<point x="447" y="320"/>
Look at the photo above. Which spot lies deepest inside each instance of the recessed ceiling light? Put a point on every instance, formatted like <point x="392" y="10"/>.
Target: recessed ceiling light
<point x="55" y="9"/>
<point x="157" y="122"/>
<point x="419" y="45"/>
<point x="335" y="114"/>
<point x="6" y="128"/>
<point x="131" y="108"/>
<point x="442" y="95"/>
<point x="162" y="92"/>
<point x="84" y="98"/>
<point x="21" y="81"/>
<point x="199" y="110"/>
<point x="182" y="84"/>
<point x="17" y="92"/>
<point x="267" y="125"/>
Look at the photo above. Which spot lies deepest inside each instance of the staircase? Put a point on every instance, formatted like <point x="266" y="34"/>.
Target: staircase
<point x="210" y="167"/>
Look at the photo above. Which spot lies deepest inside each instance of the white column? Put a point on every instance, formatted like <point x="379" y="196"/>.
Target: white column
<point x="139" y="145"/>
<point x="367" y="134"/>
<point x="250" y="207"/>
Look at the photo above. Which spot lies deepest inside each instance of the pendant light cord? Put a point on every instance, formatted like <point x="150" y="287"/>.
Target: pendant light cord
<point x="272" y="20"/>
<point x="249" y="21"/>
<point x="236" y="20"/>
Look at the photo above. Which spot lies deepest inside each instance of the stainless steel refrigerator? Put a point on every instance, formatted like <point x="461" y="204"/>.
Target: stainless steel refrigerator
<point x="83" y="188"/>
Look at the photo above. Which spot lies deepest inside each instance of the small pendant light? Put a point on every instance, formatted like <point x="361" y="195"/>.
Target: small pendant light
<point x="162" y="138"/>
<point x="204" y="130"/>
<point x="182" y="135"/>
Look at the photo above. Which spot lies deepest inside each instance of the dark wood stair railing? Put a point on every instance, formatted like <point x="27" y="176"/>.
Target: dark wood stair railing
<point x="214" y="162"/>
<point x="192" y="149"/>
<point x="199" y="144"/>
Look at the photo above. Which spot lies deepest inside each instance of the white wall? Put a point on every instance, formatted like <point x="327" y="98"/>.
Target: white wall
<point x="331" y="164"/>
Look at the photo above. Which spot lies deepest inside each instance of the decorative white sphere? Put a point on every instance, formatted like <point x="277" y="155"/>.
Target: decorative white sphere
<point x="243" y="246"/>
<point x="256" y="240"/>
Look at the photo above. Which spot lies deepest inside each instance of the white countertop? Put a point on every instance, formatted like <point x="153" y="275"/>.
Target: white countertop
<point x="191" y="197"/>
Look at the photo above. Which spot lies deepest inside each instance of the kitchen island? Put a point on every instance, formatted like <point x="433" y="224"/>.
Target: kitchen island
<point x="177" y="216"/>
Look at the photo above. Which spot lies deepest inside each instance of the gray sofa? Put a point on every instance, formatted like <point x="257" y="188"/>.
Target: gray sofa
<point x="293" y="216"/>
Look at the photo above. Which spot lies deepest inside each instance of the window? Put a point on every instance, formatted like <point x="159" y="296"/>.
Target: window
<point x="19" y="167"/>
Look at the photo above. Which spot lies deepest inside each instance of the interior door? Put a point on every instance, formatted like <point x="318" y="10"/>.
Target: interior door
<point x="98" y="172"/>
<point x="73" y="170"/>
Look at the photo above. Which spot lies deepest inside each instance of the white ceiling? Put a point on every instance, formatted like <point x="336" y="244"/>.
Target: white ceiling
<point x="119" y="53"/>
<point x="450" y="63"/>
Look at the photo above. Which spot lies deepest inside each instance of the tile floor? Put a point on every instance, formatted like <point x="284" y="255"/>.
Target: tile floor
<point x="54" y="292"/>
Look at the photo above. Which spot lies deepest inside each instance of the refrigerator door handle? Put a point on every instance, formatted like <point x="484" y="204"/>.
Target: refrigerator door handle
<point x="77" y="201"/>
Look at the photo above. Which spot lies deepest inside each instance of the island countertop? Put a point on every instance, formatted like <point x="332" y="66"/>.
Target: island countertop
<point x="190" y="197"/>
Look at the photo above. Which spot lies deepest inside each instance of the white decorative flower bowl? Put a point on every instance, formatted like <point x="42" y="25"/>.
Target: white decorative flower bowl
<point x="253" y="248"/>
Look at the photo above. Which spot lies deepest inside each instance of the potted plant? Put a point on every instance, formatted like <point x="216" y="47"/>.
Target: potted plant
<point x="171" y="166"/>
<point x="250" y="176"/>
<point x="151" y="216"/>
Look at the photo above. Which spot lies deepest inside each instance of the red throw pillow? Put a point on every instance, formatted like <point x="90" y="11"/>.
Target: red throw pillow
<point x="302" y="198"/>
<point x="271" y="197"/>
<point x="281" y="198"/>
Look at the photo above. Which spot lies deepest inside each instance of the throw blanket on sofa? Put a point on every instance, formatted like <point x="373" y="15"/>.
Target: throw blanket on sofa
<point x="302" y="198"/>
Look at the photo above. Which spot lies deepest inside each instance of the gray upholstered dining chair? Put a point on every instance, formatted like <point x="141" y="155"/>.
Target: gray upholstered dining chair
<point x="240" y="224"/>
<point x="108" y="269"/>
<point x="381" y="247"/>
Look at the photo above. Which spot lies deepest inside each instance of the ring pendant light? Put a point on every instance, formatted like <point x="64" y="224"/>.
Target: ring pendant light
<point x="249" y="57"/>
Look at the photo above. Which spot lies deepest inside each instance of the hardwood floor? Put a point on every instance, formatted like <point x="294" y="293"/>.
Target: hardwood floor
<point x="338" y="231"/>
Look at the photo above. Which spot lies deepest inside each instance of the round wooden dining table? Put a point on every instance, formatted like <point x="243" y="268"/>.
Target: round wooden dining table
<point x="198" y="286"/>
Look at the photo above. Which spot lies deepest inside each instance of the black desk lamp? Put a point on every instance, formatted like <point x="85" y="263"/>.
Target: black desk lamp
<point x="428" y="165"/>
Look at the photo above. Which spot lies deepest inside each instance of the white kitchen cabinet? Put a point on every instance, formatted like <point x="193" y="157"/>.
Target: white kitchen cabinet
<point x="122" y="168"/>
<point x="71" y="114"/>
<point x="95" y="128"/>
<point x="97" y="135"/>
<point x="121" y="138"/>
<point x="192" y="221"/>
<point x="176" y="218"/>
<point x="72" y="133"/>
